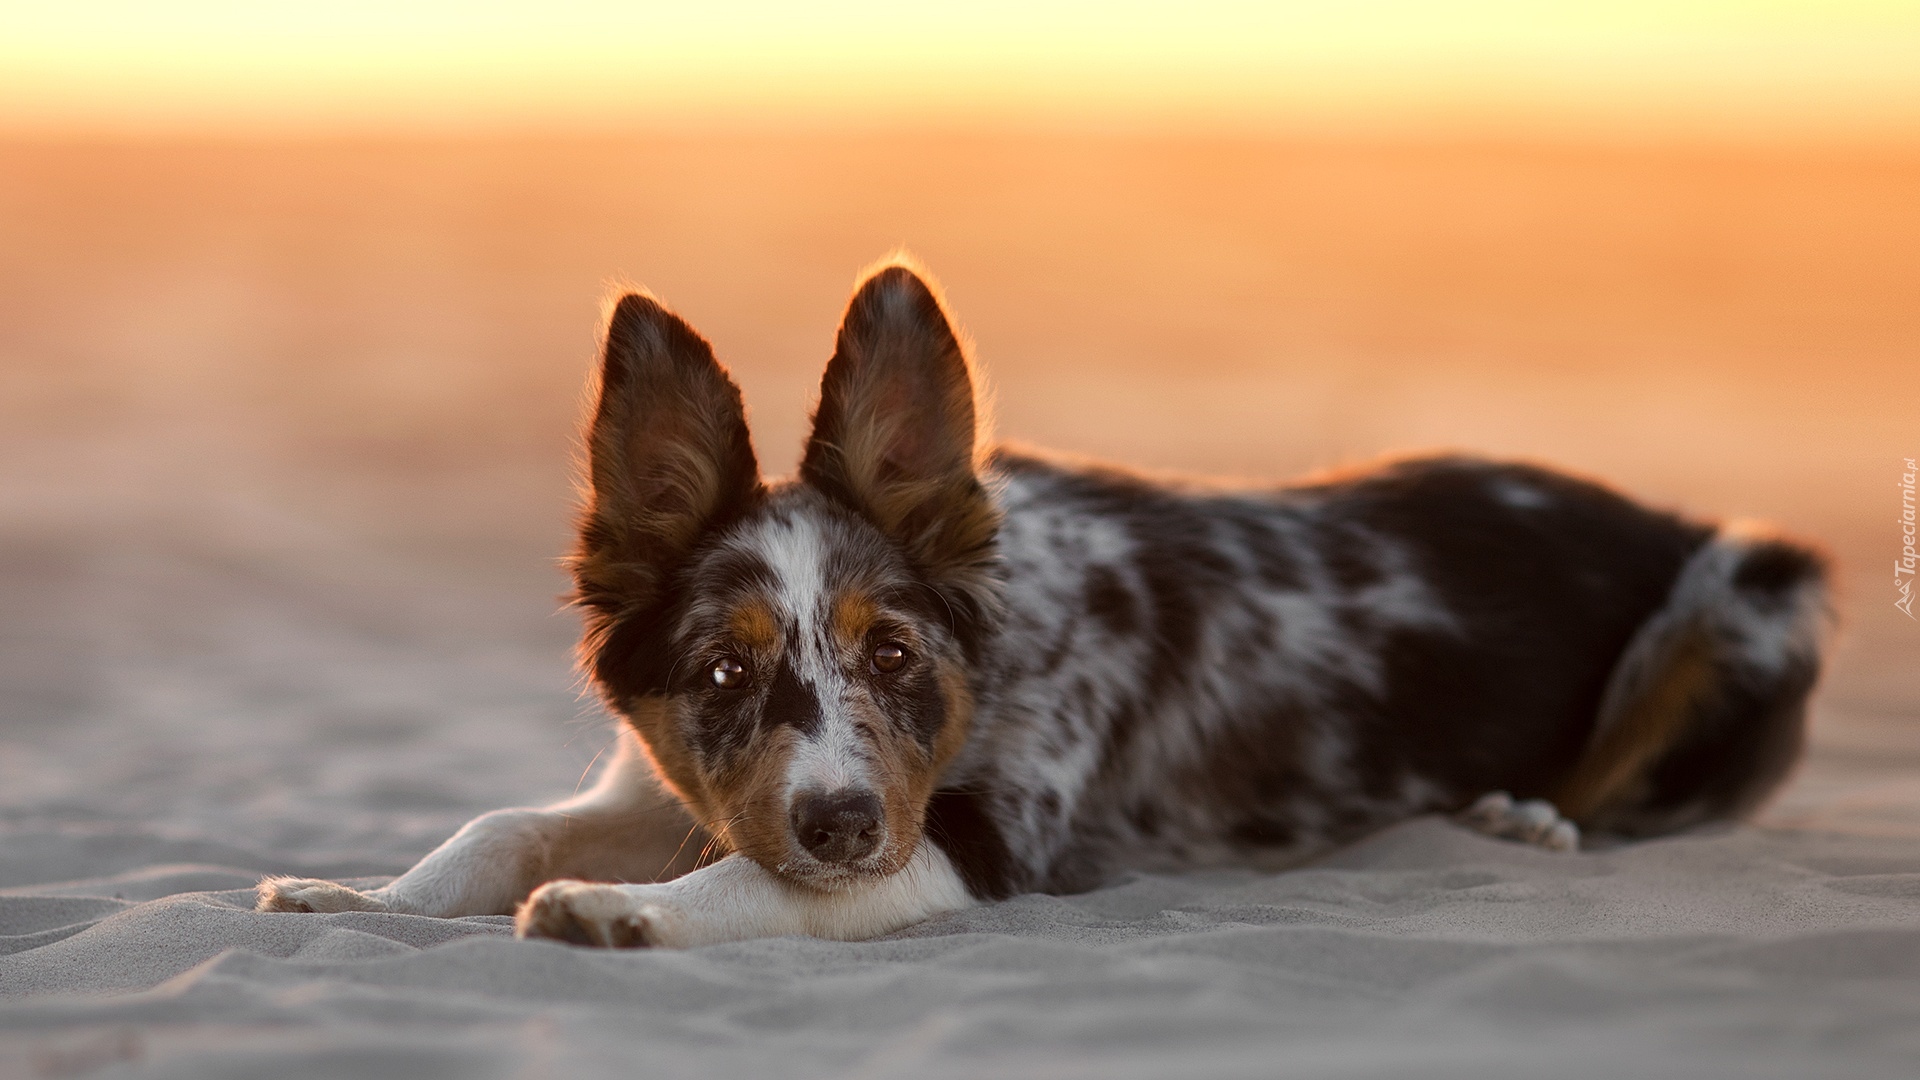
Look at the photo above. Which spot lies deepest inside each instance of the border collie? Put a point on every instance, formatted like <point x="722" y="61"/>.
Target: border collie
<point x="927" y="674"/>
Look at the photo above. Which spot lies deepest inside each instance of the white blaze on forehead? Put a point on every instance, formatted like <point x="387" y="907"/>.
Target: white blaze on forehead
<point x="795" y="550"/>
<point x="834" y="755"/>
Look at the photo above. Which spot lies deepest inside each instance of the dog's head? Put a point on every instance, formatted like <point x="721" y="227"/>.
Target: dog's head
<point x="795" y="656"/>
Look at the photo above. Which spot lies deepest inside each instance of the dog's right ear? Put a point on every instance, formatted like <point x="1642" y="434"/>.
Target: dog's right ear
<point x="668" y="459"/>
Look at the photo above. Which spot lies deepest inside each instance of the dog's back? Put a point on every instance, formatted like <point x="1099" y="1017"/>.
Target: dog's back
<point x="1196" y="677"/>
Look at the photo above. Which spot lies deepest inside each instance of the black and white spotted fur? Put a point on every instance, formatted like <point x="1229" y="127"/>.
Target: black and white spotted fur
<point x="1101" y="672"/>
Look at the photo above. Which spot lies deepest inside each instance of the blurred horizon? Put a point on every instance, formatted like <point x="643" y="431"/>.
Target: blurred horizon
<point x="297" y="304"/>
<point x="1715" y="69"/>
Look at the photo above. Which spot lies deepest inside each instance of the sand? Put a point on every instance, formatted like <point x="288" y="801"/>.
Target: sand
<point x="1425" y="951"/>
<point x="283" y="472"/>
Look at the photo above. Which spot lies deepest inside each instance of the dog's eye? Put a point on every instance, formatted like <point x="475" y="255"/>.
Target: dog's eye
<point x="888" y="657"/>
<point x="730" y="674"/>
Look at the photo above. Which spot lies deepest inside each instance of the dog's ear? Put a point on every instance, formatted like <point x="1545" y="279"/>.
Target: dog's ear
<point x="667" y="454"/>
<point x="896" y="433"/>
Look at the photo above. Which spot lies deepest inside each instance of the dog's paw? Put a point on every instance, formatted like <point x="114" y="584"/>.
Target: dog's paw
<point x="306" y="894"/>
<point x="1532" y="821"/>
<point x="605" y="916"/>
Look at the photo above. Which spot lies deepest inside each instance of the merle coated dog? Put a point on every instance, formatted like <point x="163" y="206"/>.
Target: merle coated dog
<point x="927" y="674"/>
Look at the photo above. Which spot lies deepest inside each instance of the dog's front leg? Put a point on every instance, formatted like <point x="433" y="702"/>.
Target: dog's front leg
<point x="736" y="899"/>
<point x="624" y="829"/>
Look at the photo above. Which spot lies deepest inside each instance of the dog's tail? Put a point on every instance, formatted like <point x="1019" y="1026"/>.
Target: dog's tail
<point x="1704" y="713"/>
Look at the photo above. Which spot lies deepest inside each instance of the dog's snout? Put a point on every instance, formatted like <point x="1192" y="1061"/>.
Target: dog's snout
<point x="839" y="826"/>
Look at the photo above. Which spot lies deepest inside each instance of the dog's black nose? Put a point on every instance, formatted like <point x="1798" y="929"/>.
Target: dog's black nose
<point x="838" y="827"/>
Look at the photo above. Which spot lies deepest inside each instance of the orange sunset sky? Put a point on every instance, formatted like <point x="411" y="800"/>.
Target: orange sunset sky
<point x="1761" y="67"/>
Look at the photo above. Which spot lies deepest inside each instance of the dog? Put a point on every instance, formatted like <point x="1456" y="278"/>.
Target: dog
<point x="926" y="674"/>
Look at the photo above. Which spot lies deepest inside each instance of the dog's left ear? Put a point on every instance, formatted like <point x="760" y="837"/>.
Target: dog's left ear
<point x="896" y="434"/>
<point x="668" y="459"/>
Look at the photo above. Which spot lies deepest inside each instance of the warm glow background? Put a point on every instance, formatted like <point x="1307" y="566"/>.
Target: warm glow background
<point x="1760" y="66"/>
<point x="296" y="302"/>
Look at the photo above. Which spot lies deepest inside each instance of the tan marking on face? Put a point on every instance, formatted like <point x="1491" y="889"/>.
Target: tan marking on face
<point x="656" y="720"/>
<point x="906" y="773"/>
<point x="904" y="781"/>
<point x="753" y="624"/>
<point x="953" y="736"/>
<point x="854" y="614"/>
<point x="750" y="800"/>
